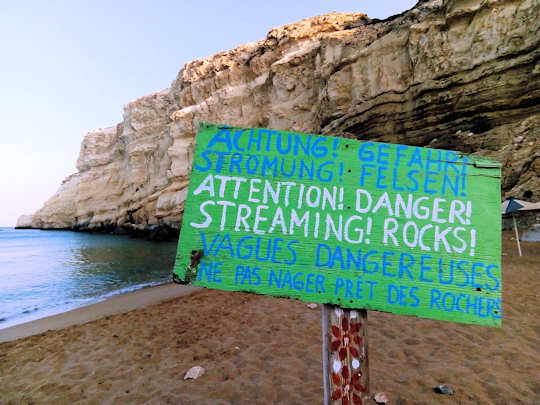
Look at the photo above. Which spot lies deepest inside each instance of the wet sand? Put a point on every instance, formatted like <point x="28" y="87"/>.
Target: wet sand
<point x="263" y="350"/>
<point x="114" y="305"/>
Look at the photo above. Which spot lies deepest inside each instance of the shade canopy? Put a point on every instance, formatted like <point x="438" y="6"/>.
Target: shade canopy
<point x="513" y="204"/>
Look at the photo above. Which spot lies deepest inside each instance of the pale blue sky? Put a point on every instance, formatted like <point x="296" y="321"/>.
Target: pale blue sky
<point x="67" y="67"/>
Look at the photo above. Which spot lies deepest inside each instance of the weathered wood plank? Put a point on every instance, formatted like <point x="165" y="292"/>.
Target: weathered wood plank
<point x="394" y="228"/>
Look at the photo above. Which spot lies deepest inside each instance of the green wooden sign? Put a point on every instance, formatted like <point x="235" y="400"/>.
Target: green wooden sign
<point x="384" y="227"/>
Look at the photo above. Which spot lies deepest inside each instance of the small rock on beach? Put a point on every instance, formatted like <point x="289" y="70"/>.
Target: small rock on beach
<point x="194" y="373"/>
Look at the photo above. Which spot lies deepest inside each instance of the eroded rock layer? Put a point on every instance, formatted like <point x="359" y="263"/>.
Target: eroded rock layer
<point x="456" y="74"/>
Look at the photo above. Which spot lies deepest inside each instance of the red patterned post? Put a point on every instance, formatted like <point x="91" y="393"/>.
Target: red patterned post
<point x="345" y="356"/>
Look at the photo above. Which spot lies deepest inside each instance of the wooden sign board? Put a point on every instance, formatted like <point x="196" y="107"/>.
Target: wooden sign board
<point x="393" y="228"/>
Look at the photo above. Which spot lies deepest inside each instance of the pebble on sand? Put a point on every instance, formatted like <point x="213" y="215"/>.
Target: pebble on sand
<point x="380" y="398"/>
<point x="443" y="389"/>
<point x="194" y="372"/>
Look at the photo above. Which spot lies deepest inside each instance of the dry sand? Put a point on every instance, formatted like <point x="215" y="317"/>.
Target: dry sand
<point x="263" y="350"/>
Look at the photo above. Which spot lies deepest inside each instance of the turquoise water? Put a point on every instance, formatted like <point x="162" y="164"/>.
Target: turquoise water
<point x="47" y="272"/>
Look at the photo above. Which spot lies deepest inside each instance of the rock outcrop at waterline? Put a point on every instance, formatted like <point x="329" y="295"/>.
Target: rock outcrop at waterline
<point x="456" y="74"/>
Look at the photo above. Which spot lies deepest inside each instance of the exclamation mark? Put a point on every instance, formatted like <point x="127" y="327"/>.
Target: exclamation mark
<point x="334" y="147"/>
<point x="368" y="229"/>
<point x="473" y="242"/>
<point x="468" y="213"/>
<point x="464" y="176"/>
<point x="340" y="205"/>
<point x="316" y="232"/>
<point x="463" y="185"/>
<point x="341" y="172"/>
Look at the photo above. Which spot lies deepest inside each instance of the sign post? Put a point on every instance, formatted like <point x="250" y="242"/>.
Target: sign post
<point x="345" y="355"/>
<point x="517" y="233"/>
<point x="355" y="225"/>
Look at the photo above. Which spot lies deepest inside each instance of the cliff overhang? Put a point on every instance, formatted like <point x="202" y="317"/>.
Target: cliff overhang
<point x="453" y="74"/>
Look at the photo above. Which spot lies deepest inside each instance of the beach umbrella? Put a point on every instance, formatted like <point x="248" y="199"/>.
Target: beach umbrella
<point x="510" y="206"/>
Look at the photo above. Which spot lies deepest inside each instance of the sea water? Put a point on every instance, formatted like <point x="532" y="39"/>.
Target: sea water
<point x="47" y="272"/>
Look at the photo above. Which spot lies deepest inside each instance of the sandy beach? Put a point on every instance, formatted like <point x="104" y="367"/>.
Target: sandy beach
<point x="263" y="350"/>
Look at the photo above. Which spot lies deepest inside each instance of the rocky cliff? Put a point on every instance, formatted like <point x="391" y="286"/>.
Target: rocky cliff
<point x="453" y="74"/>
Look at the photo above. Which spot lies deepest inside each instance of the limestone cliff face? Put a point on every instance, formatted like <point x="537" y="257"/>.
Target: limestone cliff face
<point x="455" y="74"/>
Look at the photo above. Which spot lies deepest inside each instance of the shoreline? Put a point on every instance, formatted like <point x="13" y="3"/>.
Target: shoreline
<point x="19" y="319"/>
<point x="116" y="304"/>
